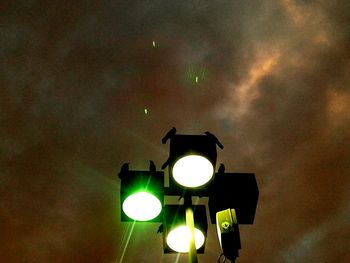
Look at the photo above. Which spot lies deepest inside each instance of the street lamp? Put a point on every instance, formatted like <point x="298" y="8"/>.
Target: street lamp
<point x="192" y="159"/>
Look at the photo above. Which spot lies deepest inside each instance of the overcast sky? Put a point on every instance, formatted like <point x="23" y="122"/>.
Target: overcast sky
<point x="88" y="85"/>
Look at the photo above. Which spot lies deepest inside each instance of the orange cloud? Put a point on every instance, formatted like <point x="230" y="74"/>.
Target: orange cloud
<point x="338" y="106"/>
<point x="248" y="90"/>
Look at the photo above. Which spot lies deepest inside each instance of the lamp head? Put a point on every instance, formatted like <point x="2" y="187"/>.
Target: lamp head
<point x="192" y="160"/>
<point x="234" y="190"/>
<point x="176" y="235"/>
<point x="142" y="196"/>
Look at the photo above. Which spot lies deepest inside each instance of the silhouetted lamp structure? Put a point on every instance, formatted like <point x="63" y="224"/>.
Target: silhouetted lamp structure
<point x="192" y="160"/>
<point x="234" y="190"/>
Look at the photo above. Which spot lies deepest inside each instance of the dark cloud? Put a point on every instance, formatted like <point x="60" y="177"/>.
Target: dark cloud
<point x="270" y="79"/>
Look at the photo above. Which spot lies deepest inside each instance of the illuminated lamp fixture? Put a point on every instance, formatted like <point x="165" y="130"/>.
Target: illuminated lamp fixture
<point x="192" y="160"/>
<point x="142" y="196"/>
<point x="234" y="190"/>
<point x="176" y="235"/>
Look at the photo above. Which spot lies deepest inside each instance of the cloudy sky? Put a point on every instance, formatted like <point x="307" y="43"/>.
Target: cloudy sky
<point x="88" y="85"/>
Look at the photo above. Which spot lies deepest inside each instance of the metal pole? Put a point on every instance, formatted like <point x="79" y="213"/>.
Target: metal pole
<point x="192" y="253"/>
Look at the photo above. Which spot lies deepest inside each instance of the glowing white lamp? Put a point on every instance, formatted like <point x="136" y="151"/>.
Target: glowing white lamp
<point x="193" y="171"/>
<point x="191" y="162"/>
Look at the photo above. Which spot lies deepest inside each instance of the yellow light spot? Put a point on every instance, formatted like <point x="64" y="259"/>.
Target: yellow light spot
<point x="154" y="43"/>
<point x="196" y="79"/>
<point x="146" y="111"/>
<point x="179" y="238"/>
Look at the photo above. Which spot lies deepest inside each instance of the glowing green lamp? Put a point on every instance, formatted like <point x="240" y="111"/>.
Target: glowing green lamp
<point x="142" y="196"/>
<point x="142" y="206"/>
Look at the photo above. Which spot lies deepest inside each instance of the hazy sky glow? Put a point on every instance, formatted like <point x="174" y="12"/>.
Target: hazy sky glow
<point x="87" y="86"/>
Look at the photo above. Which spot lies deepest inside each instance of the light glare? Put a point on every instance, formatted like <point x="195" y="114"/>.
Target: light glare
<point x="178" y="239"/>
<point x="193" y="171"/>
<point x="142" y="206"/>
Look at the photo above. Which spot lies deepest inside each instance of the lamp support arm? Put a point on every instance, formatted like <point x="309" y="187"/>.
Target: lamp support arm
<point x="192" y="254"/>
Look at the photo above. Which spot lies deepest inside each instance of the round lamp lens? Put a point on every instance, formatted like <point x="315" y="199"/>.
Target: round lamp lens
<point x="193" y="171"/>
<point x="142" y="206"/>
<point x="178" y="239"/>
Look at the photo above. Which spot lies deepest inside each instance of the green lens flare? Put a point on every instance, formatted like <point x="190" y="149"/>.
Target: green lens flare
<point x="178" y="239"/>
<point x="142" y="206"/>
<point x="193" y="171"/>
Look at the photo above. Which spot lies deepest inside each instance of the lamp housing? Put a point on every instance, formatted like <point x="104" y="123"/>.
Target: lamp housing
<point x="228" y="233"/>
<point x="192" y="160"/>
<point x="234" y="190"/>
<point x="142" y="196"/>
<point x="174" y="218"/>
